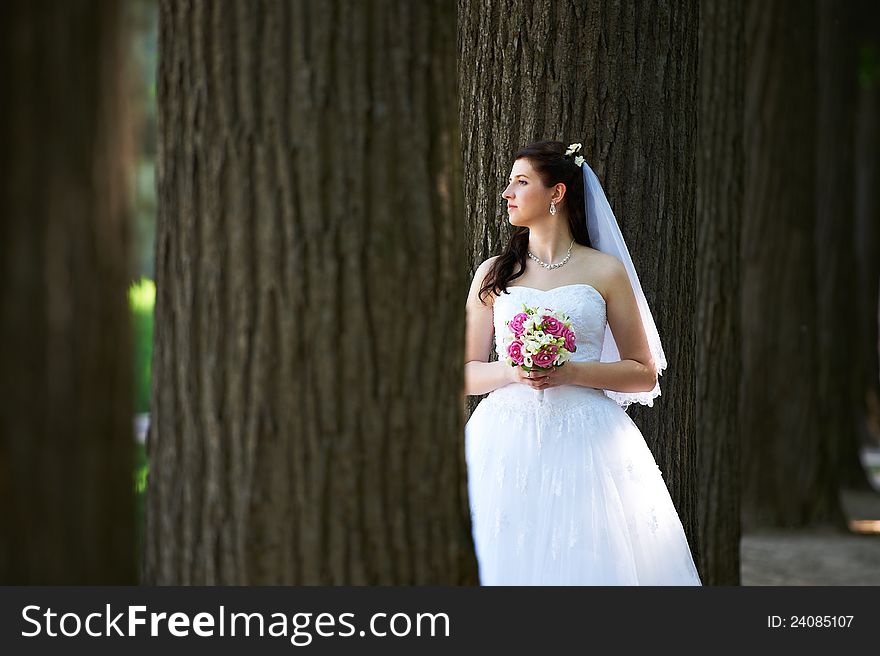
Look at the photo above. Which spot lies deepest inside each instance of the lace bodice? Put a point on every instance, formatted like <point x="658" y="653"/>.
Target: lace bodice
<point x="582" y="302"/>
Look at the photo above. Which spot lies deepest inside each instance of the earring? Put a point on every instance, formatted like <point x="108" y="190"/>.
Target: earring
<point x="552" y="208"/>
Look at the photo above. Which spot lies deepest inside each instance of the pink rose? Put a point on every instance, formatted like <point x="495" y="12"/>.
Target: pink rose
<point x="568" y="335"/>
<point x="544" y="358"/>
<point x="516" y="324"/>
<point x="514" y="350"/>
<point x="552" y="326"/>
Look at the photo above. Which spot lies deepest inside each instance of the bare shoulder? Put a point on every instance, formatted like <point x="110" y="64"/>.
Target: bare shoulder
<point x="480" y="279"/>
<point x="602" y="261"/>
<point x="606" y="270"/>
<point x="486" y="264"/>
<point x="483" y="270"/>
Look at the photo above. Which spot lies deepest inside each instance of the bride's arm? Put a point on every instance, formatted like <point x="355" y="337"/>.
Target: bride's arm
<point x="480" y="375"/>
<point x="635" y="372"/>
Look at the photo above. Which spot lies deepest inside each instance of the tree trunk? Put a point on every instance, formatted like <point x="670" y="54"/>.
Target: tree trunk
<point x="867" y="212"/>
<point x="719" y="217"/>
<point x="788" y="475"/>
<point x="837" y="279"/>
<point x="621" y="79"/>
<point x="66" y="437"/>
<point x="308" y="369"/>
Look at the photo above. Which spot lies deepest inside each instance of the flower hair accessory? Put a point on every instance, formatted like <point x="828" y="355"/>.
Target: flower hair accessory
<point x="575" y="149"/>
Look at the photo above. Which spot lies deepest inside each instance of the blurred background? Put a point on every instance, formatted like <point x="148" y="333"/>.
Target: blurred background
<point x="144" y="18"/>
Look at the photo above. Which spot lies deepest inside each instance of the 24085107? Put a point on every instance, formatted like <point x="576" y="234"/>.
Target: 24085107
<point x="810" y="621"/>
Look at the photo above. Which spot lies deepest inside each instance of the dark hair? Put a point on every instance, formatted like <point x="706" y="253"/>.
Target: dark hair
<point x="549" y="161"/>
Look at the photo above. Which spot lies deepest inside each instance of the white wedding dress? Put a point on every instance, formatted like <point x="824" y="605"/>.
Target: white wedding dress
<point x="564" y="490"/>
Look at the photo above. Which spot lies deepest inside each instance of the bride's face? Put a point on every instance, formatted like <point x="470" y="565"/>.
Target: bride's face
<point x="528" y="200"/>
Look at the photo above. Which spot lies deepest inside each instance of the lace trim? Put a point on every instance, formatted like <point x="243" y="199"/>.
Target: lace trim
<point x="624" y="399"/>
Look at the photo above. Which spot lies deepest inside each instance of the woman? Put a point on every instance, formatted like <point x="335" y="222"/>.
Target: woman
<point x="563" y="489"/>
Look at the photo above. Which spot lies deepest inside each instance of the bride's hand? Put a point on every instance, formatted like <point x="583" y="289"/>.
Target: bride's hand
<point x="556" y="377"/>
<point x="536" y="379"/>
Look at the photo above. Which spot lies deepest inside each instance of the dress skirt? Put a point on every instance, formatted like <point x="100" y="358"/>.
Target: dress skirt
<point x="564" y="491"/>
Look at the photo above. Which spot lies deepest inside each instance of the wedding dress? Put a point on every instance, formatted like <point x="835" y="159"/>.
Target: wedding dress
<point x="564" y="490"/>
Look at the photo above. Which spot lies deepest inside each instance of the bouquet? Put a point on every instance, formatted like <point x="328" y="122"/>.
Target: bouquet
<point x="539" y="339"/>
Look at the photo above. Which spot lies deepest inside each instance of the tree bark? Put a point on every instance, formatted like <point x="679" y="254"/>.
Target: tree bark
<point x="308" y="368"/>
<point x="621" y="79"/>
<point x="66" y="437"/>
<point x="788" y="474"/>
<point x="719" y="217"/>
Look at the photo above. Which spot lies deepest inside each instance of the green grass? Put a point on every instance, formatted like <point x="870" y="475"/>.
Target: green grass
<point x="141" y="300"/>
<point x="141" y="469"/>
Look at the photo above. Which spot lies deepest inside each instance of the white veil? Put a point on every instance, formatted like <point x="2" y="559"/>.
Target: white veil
<point x="605" y="236"/>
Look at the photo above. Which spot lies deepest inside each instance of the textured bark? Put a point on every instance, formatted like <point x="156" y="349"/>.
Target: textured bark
<point x="719" y="217"/>
<point x="66" y="443"/>
<point x="621" y="79"/>
<point x="788" y="473"/>
<point x="837" y="280"/>
<point x="308" y="369"/>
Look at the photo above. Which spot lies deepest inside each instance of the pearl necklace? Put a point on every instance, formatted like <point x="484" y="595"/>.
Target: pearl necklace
<point x="553" y="266"/>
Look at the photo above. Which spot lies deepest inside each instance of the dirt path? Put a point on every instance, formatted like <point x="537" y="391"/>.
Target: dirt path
<point x="816" y="557"/>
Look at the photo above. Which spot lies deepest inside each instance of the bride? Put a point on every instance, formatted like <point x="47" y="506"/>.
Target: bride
<point x="563" y="489"/>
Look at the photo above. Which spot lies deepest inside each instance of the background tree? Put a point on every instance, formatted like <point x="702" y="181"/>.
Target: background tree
<point x="840" y="367"/>
<point x="719" y="216"/>
<point x="788" y="460"/>
<point x="65" y="422"/>
<point x="307" y="424"/>
<point x="621" y="79"/>
<point x="867" y="213"/>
